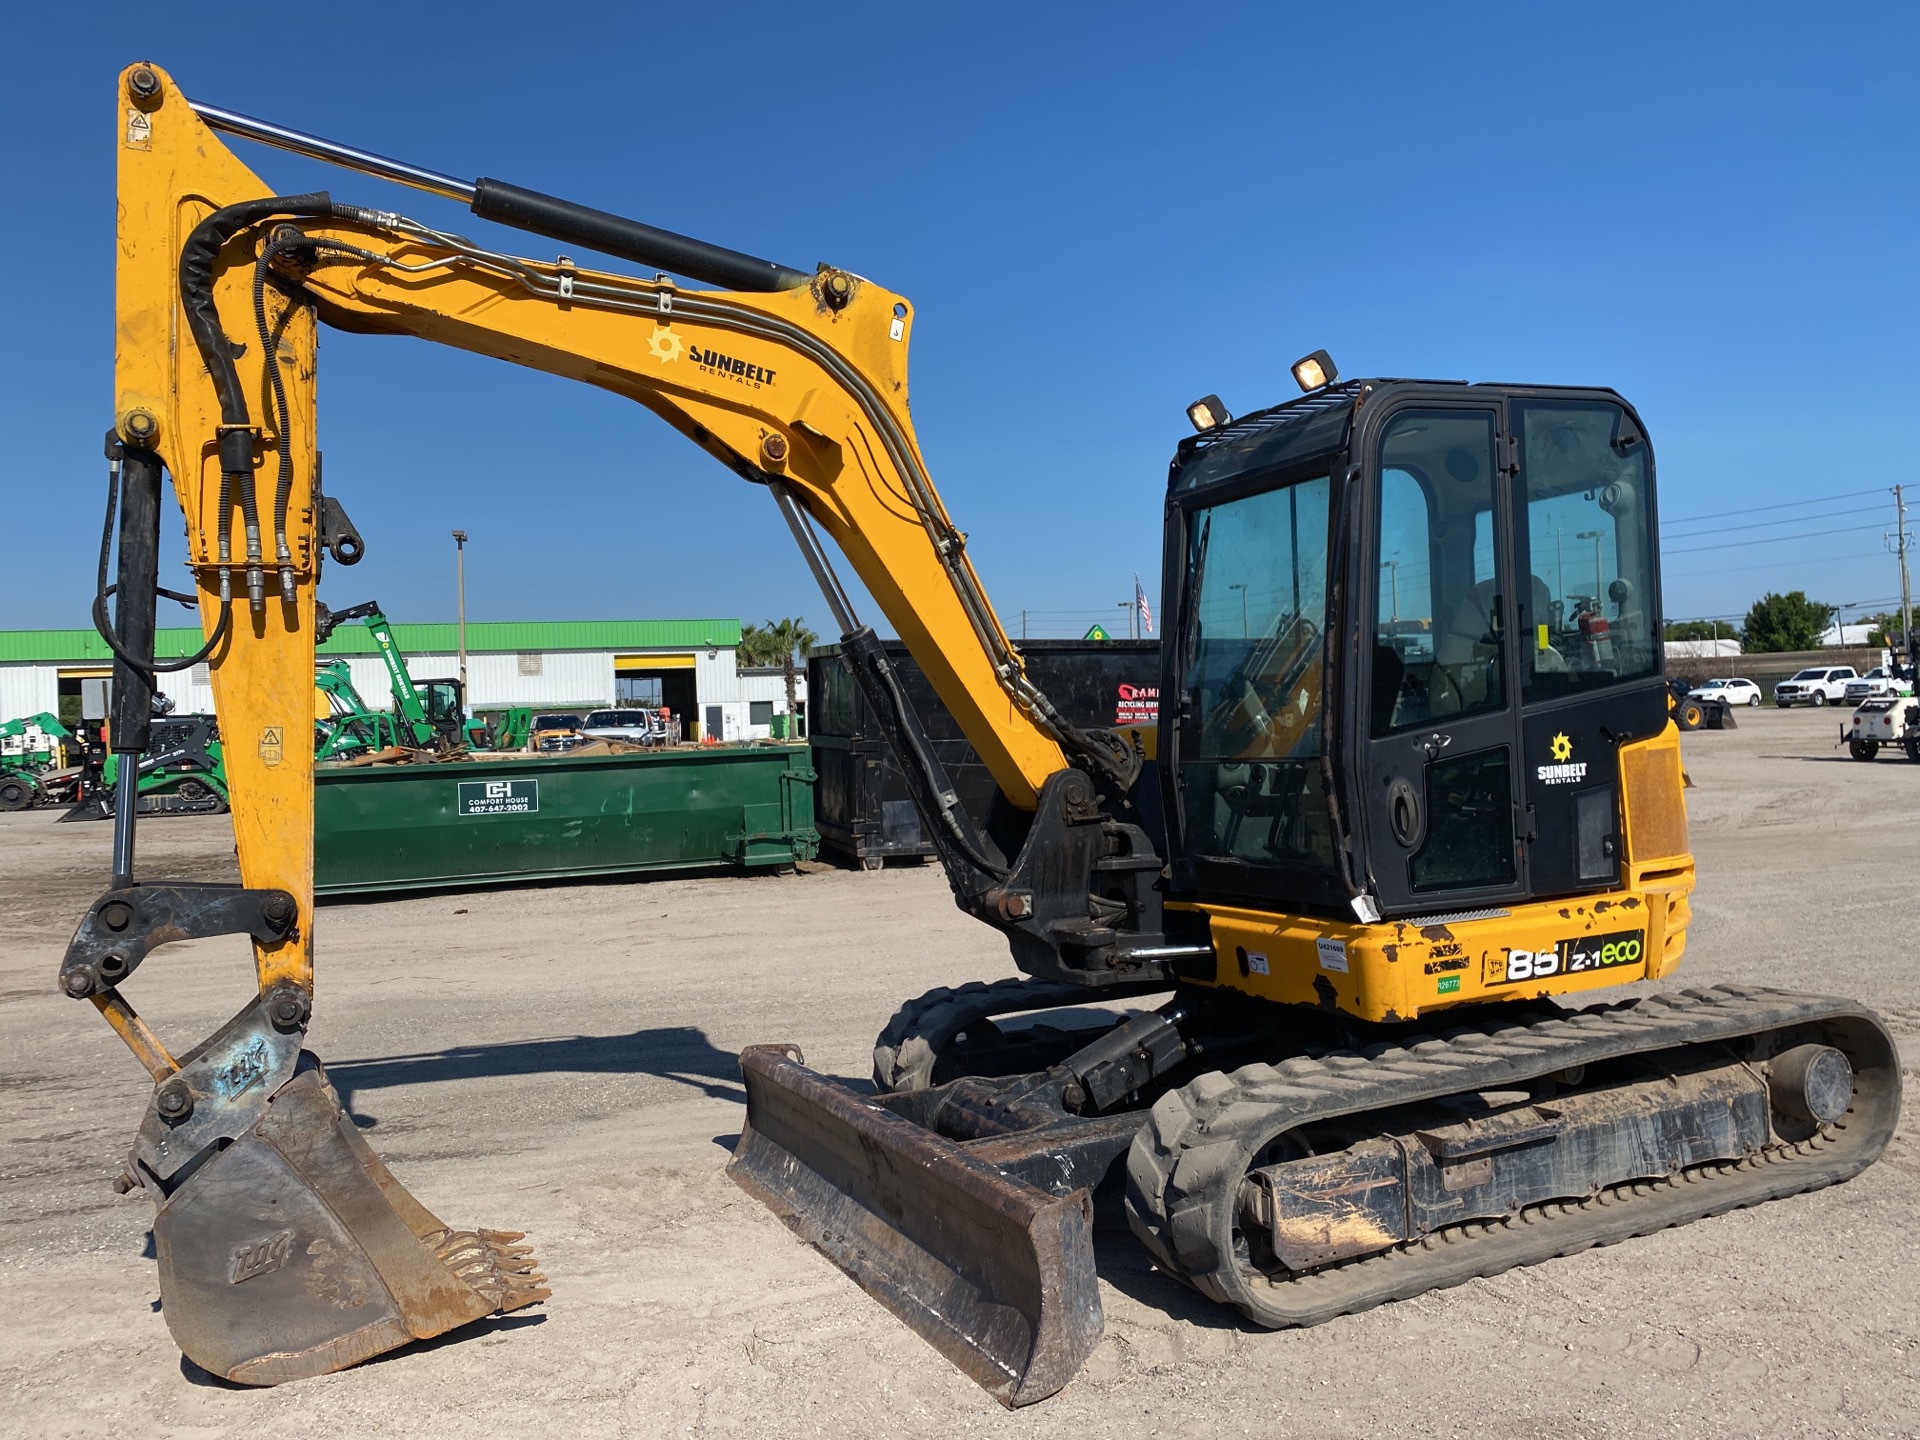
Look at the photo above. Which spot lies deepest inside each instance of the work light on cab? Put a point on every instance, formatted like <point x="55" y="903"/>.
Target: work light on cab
<point x="1207" y="412"/>
<point x="1315" y="371"/>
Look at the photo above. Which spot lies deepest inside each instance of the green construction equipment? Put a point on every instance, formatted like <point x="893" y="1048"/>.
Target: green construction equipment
<point x="427" y="714"/>
<point x="351" y="727"/>
<point x="181" y="772"/>
<point x="30" y="749"/>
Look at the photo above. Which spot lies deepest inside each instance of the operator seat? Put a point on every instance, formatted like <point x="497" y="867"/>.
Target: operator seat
<point x="1463" y="655"/>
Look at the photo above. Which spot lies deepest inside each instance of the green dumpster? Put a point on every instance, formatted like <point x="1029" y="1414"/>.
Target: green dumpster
<point x="527" y="817"/>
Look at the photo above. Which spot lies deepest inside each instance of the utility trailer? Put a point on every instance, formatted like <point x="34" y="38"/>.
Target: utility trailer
<point x="1883" y="720"/>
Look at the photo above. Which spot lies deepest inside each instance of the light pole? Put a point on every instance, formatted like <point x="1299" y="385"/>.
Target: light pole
<point x="1599" y="583"/>
<point x="1392" y="567"/>
<point x="1244" y="628"/>
<point x="1127" y="605"/>
<point x="460" y="589"/>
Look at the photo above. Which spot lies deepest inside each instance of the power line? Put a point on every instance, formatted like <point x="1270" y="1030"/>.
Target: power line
<point x="1794" y="561"/>
<point x="1776" y="539"/>
<point x="1787" y="520"/>
<point x="1783" y="505"/>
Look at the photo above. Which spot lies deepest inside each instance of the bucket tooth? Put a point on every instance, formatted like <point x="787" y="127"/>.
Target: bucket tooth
<point x="293" y="1250"/>
<point x="996" y="1274"/>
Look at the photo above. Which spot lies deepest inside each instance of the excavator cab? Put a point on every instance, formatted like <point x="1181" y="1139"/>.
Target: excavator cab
<point x="1432" y="605"/>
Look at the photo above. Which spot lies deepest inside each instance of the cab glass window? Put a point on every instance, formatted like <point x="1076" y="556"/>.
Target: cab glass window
<point x="1253" y="657"/>
<point x="1589" y="608"/>
<point x="1438" y="648"/>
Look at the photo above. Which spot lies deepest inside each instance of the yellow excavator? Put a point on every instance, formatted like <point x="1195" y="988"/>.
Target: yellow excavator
<point x="1291" y="983"/>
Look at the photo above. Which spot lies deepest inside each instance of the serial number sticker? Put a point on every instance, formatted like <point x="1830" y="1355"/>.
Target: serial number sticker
<point x="1567" y="957"/>
<point x="1333" y="954"/>
<point x="1449" y="985"/>
<point x="499" y="797"/>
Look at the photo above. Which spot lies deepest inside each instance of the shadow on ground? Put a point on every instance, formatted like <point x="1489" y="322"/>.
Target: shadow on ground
<point x="473" y="1330"/>
<point x="680" y="1053"/>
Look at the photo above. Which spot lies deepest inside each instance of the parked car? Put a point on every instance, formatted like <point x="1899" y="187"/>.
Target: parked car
<point x="1879" y="681"/>
<point x="1819" y="685"/>
<point x="638" y="727"/>
<point x="555" y="731"/>
<point x="1733" y="690"/>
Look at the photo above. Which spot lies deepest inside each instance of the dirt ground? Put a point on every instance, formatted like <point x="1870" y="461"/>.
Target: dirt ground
<point x="560" y="1060"/>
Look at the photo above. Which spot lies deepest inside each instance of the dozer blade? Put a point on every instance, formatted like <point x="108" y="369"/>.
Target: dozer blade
<point x="994" y="1273"/>
<point x="293" y="1250"/>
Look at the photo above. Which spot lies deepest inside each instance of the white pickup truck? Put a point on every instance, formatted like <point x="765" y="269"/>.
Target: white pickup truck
<point x="1819" y="685"/>
<point x="1881" y="680"/>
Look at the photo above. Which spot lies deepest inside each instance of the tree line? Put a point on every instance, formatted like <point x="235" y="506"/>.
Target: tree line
<point x="1779" y="623"/>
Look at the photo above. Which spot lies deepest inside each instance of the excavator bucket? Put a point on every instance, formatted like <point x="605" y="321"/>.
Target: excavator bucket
<point x="293" y="1250"/>
<point x="996" y="1274"/>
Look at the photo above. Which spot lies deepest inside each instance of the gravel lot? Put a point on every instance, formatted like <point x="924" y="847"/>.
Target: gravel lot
<point x="560" y="1060"/>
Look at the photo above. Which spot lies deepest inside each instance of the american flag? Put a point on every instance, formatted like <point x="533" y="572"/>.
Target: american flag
<point x="1140" y="602"/>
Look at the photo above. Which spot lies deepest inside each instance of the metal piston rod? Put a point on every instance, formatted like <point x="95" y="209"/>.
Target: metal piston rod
<point x="531" y="210"/>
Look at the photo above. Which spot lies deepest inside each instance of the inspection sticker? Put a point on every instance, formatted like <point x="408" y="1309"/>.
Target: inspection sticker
<point x="499" y="797"/>
<point x="1333" y="954"/>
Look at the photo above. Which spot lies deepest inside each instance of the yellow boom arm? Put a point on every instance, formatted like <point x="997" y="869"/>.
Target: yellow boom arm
<point x="799" y="385"/>
<point x="804" y="389"/>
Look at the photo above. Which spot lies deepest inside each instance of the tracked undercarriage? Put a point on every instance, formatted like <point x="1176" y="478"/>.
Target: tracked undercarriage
<point x="1306" y="1182"/>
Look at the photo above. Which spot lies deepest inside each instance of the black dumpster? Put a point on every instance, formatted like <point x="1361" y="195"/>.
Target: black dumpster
<point x="861" y="805"/>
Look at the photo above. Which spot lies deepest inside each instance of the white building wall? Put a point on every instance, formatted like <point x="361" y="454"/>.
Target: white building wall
<point x="29" y="690"/>
<point x="573" y="679"/>
<point x="190" y="690"/>
<point x="568" y="678"/>
<point x="716" y="677"/>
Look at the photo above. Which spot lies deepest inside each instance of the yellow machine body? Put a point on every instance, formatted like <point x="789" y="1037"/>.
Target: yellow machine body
<point x="1403" y="969"/>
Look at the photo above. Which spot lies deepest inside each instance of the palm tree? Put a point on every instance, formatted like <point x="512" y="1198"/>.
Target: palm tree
<point x="758" y="646"/>
<point x="783" y="638"/>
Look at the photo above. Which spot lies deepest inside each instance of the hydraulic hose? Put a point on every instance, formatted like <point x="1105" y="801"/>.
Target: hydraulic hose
<point x="199" y="258"/>
<point x="283" y="244"/>
<point x="102" y="591"/>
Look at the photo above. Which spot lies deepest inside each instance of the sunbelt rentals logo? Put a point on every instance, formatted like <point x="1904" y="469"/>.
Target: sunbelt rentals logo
<point x="1565" y="770"/>
<point x="666" y="346"/>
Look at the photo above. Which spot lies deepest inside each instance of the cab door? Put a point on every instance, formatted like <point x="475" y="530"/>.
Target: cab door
<point x="1587" y="656"/>
<point x="1433" y="607"/>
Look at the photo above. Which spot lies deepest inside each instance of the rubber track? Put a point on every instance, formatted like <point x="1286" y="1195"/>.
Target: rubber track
<point x="920" y="1030"/>
<point x="1186" y="1164"/>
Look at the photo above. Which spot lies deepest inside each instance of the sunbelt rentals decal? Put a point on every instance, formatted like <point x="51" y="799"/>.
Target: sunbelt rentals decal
<point x="666" y="346"/>
<point x="1564" y="770"/>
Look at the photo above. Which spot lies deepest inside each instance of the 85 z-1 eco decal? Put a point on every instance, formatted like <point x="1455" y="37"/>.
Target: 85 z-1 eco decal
<point x="1567" y="957"/>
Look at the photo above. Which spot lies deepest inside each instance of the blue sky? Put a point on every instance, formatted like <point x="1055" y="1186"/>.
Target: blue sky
<point x="1100" y="213"/>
